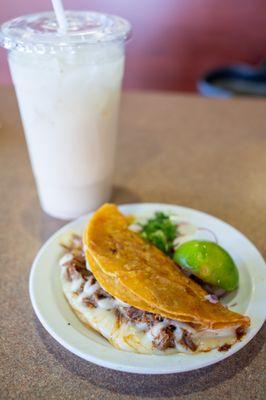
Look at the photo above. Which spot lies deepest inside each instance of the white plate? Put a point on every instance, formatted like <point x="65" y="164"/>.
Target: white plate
<point x="57" y="318"/>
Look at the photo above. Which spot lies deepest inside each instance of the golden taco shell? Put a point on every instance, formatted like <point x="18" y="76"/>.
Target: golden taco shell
<point x="146" y="273"/>
<point x="121" y="292"/>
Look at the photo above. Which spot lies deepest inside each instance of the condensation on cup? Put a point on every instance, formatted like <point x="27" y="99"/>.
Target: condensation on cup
<point x="68" y="88"/>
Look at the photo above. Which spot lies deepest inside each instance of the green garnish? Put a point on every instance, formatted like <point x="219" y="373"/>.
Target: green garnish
<point x="161" y="232"/>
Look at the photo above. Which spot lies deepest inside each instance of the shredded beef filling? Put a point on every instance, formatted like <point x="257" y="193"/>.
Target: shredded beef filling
<point x="225" y="347"/>
<point x="72" y="273"/>
<point x="240" y="332"/>
<point x="90" y="302"/>
<point x="141" y="317"/>
<point x="188" y="342"/>
<point x="165" y="339"/>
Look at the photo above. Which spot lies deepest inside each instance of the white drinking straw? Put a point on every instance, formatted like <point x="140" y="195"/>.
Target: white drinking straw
<point x="60" y="15"/>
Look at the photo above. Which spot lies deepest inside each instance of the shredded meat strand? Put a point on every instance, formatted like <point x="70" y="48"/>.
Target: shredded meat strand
<point x="240" y="332"/>
<point x="72" y="273"/>
<point x="225" y="347"/>
<point x="187" y="341"/>
<point x="165" y="339"/>
<point x="90" y="302"/>
<point x="139" y="316"/>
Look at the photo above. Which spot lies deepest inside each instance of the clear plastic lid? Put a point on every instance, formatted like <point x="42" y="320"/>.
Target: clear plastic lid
<point x="39" y="32"/>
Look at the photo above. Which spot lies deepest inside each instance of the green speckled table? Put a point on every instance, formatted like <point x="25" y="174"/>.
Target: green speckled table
<point x="205" y="154"/>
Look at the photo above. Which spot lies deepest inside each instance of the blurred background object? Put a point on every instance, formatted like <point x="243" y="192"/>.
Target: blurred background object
<point x="234" y="80"/>
<point x="175" y="42"/>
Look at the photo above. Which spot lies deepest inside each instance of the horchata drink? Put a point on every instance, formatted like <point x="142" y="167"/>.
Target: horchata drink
<point x="68" y="88"/>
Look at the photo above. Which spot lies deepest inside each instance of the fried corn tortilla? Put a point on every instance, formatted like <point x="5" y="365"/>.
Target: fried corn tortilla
<point x="121" y="292"/>
<point x="130" y="268"/>
<point x="113" y="286"/>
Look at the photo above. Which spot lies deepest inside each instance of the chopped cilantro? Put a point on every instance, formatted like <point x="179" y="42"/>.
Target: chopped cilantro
<point x="160" y="231"/>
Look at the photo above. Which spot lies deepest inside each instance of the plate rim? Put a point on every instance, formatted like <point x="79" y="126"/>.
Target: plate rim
<point x="113" y="364"/>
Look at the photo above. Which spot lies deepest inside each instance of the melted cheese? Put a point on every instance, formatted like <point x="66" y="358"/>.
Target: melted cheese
<point x="132" y="336"/>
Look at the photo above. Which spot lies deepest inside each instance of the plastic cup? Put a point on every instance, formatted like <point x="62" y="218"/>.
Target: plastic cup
<point x="68" y="88"/>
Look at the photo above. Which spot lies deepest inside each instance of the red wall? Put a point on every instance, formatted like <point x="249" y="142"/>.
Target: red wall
<point x="174" y="41"/>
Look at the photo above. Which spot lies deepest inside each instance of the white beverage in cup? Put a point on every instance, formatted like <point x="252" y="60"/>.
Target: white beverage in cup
<point x="68" y="89"/>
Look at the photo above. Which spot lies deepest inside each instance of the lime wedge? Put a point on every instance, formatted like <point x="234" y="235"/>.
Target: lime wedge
<point x="209" y="262"/>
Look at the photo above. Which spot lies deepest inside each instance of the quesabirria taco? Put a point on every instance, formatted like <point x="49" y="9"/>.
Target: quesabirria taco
<point x="137" y="297"/>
